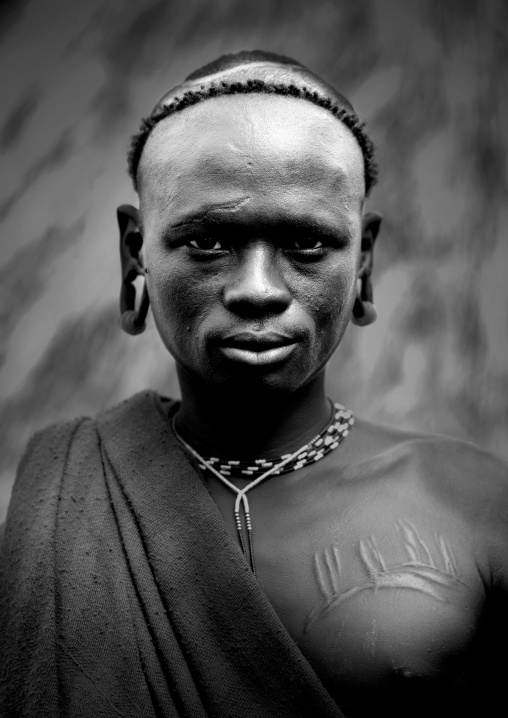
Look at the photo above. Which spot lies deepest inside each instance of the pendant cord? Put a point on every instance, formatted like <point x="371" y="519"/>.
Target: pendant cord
<point x="241" y="498"/>
<point x="241" y="501"/>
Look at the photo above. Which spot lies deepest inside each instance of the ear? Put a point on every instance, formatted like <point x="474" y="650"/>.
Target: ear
<point x="371" y="223"/>
<point x="132" y="320"/>
<point x="364" y="312"/>
<point x="131" y="242"/>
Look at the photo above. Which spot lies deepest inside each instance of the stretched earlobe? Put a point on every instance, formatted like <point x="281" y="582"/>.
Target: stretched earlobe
<point x="364" y="311"/>
<point x="132" y="320"/>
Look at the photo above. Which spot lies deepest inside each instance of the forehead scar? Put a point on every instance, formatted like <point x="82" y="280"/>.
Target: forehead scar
<point x="217" y="208"/>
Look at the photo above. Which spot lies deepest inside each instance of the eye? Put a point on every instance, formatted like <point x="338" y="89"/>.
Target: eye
<point x="206" y="243"/>
<point x="307" y="243"/>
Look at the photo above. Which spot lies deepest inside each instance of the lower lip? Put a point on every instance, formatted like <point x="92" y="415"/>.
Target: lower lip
<point x="259" y="358"/>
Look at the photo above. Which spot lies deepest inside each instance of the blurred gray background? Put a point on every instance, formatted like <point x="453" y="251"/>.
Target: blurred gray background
<point x="430" y="78"/>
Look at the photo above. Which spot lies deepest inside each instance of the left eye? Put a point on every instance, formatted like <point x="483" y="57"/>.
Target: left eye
<point x="307" y="243"/>
<point x="206" y="243"/>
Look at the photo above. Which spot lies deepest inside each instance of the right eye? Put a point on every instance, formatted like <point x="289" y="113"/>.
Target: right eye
<point x="308" y="243"/>
<point x="206" y="243"/>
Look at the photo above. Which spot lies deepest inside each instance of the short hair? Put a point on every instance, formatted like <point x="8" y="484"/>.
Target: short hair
<point x="334" y="102"/>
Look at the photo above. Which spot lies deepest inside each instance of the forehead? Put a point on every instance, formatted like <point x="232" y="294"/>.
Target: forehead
<point x="258" y="141"/>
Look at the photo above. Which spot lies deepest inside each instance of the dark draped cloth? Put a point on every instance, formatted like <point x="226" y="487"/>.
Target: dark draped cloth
<point x="122" y="592"/>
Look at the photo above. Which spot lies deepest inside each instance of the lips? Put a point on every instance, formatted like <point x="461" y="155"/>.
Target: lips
<point x="258" y="348"/>
<point x="257" y="341"/>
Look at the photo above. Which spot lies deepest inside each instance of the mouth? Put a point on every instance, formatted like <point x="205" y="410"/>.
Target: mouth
<point x="258" y="349"/>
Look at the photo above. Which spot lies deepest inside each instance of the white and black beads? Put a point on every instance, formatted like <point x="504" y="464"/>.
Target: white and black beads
<point x="327" y="440"/>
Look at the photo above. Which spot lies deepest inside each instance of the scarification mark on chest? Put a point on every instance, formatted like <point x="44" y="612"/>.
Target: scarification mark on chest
<point x="420" y="572"/>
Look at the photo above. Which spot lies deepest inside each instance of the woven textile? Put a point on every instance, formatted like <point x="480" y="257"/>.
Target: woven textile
<point x="120" y="586"/>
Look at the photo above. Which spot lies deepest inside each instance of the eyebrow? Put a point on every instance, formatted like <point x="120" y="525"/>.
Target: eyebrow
<point x="211" y="211"/>
<point x="223" y="214"/>
<point x="294" y="225"/>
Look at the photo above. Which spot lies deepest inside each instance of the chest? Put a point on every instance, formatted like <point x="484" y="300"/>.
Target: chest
<point x="374" y="591"/>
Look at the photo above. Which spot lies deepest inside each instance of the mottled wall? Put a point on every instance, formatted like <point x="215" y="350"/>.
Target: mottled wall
<point x="430" y="78"/>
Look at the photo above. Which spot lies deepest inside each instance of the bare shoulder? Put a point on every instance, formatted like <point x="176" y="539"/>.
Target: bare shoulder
<point x="450" y="465"/>
<point x="467" y="479"/>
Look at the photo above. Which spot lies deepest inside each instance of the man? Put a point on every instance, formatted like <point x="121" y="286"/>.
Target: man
<point x="250" y="551"/>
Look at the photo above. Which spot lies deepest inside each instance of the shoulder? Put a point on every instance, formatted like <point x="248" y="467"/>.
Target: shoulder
<point x="461" y="476"/>
<point x="45" y="457"/>
<point x="49" y="450"/>
<point x="448" y="463"/>
<point x="59" y="436"/>
<point x="139" y="408"/>
<point x="71" y="450"/>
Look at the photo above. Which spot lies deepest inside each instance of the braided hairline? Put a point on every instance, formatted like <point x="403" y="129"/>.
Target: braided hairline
<point x="192" y="97"/>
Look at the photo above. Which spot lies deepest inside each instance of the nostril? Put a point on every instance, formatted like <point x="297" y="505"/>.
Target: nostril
<point x="255" y="305"/>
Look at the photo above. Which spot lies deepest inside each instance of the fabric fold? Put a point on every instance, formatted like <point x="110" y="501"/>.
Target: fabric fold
<point x="150" y="607"/>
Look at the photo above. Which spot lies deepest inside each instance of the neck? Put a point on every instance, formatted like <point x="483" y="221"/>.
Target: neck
<point x="249" y="425"/>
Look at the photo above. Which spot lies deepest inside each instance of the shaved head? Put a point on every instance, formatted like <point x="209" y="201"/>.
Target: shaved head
<point x="255" y="73"/>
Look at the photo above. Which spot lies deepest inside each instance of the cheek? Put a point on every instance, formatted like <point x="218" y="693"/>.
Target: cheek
<point x="173" y="303"/>
<point x="180" y="304"/>
<point x="330" y="299"/>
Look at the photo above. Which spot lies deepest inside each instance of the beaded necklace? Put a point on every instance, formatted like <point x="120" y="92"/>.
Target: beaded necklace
<point x="327" y="440"/>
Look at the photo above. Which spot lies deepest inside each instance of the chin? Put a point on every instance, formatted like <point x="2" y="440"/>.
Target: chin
<point x="259" y="379"/>
<point x="247" y="379"/>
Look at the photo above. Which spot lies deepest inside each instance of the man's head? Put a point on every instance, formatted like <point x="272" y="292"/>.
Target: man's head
<point x="251" y="228"/>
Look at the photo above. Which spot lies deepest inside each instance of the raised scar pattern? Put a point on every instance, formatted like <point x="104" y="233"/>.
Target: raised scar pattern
<point x="420" y="572"/>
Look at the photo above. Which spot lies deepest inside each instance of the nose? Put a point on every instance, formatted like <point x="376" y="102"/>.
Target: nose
<point x="257" y="288"/>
